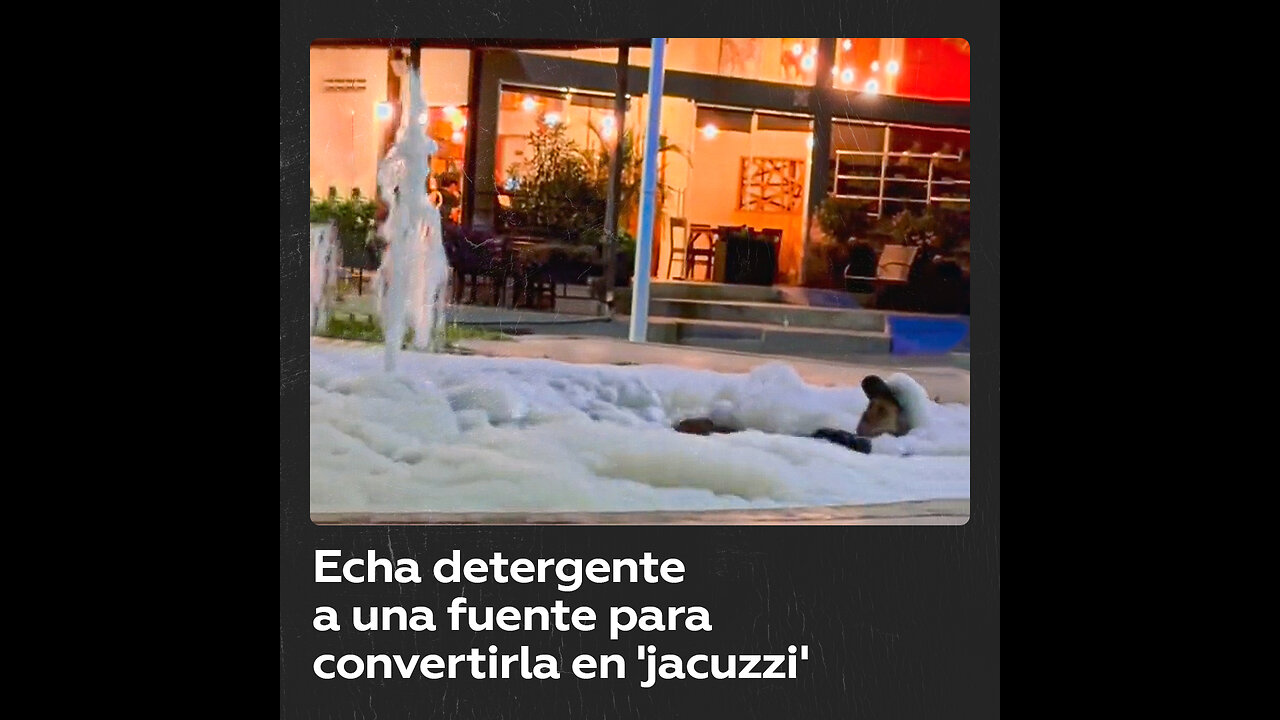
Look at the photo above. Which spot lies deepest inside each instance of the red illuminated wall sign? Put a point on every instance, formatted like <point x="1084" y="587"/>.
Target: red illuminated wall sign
<point x="927" y="68"/>
<point x="935" y="68"/>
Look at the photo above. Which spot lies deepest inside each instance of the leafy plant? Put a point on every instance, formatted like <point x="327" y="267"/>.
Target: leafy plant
<point x="627" y="246"/>
<point x="941" y="228"/>
<point x="632" y="170"/>
<point x="565" y="189"/>
<point x="557" y="189"/>
<point x="844" y="218"/>
<point x="367" y="329"/>
<point x="355" y="218"/>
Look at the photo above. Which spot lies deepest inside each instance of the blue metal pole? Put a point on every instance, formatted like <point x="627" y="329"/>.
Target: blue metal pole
<point x="648" y="186"/>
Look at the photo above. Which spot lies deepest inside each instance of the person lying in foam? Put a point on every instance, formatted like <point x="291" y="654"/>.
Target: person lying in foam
<point x="893" y="408"/>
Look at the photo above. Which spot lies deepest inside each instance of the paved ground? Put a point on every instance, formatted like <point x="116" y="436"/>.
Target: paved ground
<point x="928" y="512"/>
<point x="563" y="324"/>
<point x="574" y="311"/>
<point x="944" y="383"/>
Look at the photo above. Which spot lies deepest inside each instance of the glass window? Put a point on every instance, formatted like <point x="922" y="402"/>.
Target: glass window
<point x="447" y="125"/>
<point x="858" y="150"/>
<point x="923" y="167"/>
<point x="586" y="117"/>
<point x="722" y="120"/>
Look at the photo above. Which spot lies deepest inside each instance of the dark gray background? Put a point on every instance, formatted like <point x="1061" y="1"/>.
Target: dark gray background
<point x="901" y="622"/>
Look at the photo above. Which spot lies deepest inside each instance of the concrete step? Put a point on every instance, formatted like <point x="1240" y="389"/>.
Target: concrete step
<point x="575" y="305"/>
<point x="770" y="314"/>
<point x="681" y="290"/>
<point x="768" y="339"/>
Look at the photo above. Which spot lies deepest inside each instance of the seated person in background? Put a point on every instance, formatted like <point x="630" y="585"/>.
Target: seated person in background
<point x="434" y="195"/>
<point x="451" y="200"/>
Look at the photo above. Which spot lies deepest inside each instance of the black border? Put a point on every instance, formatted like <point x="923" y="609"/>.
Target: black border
<point x="904" y="620"/>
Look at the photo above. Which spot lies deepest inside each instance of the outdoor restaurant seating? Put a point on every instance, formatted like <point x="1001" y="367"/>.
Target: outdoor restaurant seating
<point x="695" y="255"/>
<point x="477" y="256"/>
<point x="520" y="266"/>
<point x="680" y="248"/>
<point x="892" y="268"/>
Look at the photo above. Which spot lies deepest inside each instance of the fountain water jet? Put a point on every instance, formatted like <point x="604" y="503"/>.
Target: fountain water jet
<point x="414" y="276"/>
<point x="323" y="267"/>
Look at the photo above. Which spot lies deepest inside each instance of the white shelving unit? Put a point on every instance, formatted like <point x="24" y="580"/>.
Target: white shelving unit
<point x="887" y="186"/>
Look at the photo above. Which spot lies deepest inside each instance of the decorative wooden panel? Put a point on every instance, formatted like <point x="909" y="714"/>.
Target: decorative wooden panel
<point x="771" y="184"/>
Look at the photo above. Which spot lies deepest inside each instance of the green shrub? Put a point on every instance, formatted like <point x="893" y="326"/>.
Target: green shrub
<point x="367" y="329"/>
<point x="556" y="188"/>
<point x="844" y="218"/>
<point x="939" y="227"/>
<point x="354" y="217"/>
<point x="566" y="190"/>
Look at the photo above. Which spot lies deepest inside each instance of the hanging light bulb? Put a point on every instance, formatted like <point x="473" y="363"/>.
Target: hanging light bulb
<point x="872" y="87"/>
<point x="847" y="45"/>
<point x="807" y="63"/>
<point x="551" y="119"/>
<point x="892" y="68"/>
<point x="875" y="66"/>
<point x="710" y="131"/>
<point x="797" y="49"/>
<point x="846" y="77"/>
<point x="458" y="137"/>
<point x="529" y="104"/>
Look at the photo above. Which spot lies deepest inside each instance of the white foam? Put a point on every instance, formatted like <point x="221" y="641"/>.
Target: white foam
<point x="451" y="433"/>
<point x="323" y="269"/>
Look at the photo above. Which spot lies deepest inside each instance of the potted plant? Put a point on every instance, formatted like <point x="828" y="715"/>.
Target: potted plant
<point x="354" y="218"/>
<point x="557" y="193"/>
<point x="629" y="181"/>
<point x="842" y="222"/>
<point x="844" y="219"/>
<point x="626" y="258"/>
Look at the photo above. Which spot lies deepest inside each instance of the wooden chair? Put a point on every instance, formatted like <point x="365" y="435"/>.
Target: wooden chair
<point x="695" y="255"/>
<point x="536" y="287"/>
<point x="678" y="248"/>
<point x="471" y="256"/>
<point x="502" y="266"/>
